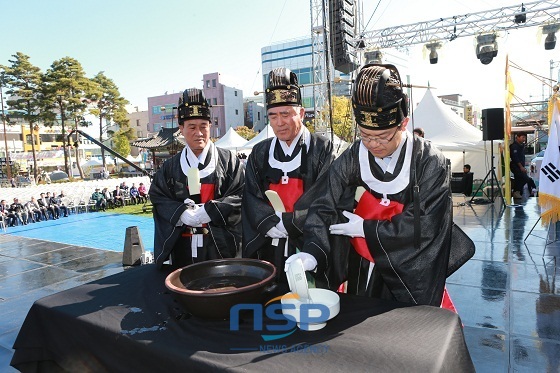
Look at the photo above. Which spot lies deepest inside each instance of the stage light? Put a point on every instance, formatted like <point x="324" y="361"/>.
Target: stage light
<point x="373" y="56"/>
<point x="486" y="47"/>
<point x="432" y="47"/>
<point x="361" y="44"/>
<point x="550" y="32"/>
<point x="521" y="17"/>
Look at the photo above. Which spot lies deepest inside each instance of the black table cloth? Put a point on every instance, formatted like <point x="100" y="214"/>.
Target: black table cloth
<point x="129" y="322"/>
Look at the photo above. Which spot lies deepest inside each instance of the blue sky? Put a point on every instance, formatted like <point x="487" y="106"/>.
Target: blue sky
<point x="150" y="47"/>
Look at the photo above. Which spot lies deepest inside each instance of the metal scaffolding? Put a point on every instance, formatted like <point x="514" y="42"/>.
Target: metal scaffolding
<point x="320" y="64"/>
<point x="537" y="13"/>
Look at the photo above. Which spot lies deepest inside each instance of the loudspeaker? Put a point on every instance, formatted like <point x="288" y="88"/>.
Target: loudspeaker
<point x="342" y="22"/>
<point x="493" y="124"/>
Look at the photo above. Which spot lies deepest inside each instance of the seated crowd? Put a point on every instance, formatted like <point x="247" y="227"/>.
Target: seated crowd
<point x="120" y="196"/>
<point x="53" y="206"/>
<point x="34" y="210"/>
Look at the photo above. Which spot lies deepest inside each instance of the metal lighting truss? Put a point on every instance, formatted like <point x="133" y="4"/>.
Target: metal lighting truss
<point x="320" y="64"/>
<point x="537" y="13"/>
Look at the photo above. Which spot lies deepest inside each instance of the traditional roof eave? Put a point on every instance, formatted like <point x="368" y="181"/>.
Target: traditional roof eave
<point x="165" y="137"/>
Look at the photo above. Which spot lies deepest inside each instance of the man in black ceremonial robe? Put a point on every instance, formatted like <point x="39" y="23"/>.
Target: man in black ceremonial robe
<point x="380" y="257"/>
<point x="289" y="164"/>
<point x="196" y="194"/>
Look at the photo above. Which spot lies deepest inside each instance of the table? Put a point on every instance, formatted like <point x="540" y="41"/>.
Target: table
<point x="129" y="322"/>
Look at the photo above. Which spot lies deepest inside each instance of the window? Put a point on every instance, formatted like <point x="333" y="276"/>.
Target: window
<point x="45" y="137"/>
<point x="236" y="112"/>
<point x="137" y="122"/>
<point x="28" y="139"/>
<point x="215" y="100"/>
<point x="216" y="121"/>
<point x="208" y="84"/>
<point x="139" y="134"/>
<point x="258" y="115"/>
<point x="235" y="93"/>
<point x="304" y="75"/>
<point x="214" y="83"/>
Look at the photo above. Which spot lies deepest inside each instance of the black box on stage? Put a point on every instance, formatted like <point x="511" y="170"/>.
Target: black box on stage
<point x="492" y="124"/>
<point x="457" y="182"/>
<point x="462" y="183"/>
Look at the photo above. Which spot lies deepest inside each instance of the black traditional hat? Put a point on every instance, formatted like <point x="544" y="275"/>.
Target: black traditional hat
<point x="282" y="88"/>
<point x="378" y="99"/>
<point x="193" y="105"/>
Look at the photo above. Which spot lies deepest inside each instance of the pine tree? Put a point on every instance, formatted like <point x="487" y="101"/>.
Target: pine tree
<point x="66" y="92"/>
<point x="24" y="81"/>
<point x="108" y="103"/>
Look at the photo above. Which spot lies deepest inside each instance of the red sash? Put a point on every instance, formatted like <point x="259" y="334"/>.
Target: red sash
<point x="206" y="192"/>
<point x="289" y="193"/>
<point x="370" y="208"/>
<point x="446" y="302"/>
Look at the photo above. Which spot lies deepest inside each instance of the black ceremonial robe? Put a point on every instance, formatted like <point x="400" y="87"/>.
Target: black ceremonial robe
<point x="401" y="272"/>
<point x="167" y="194"/>
<point x="258" y="214"/>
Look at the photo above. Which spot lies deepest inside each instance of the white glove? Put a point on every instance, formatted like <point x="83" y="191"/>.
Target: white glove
<point x="280" y="226"/>
<point x="188" y="217"/>
<point x="354" y="227"/>
<point x="275" y="233"/>
<point x="309" y="261"/>
<point x="201" y="215"/>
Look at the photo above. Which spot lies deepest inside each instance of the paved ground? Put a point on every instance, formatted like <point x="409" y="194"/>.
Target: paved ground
<point x="506" y="294"/>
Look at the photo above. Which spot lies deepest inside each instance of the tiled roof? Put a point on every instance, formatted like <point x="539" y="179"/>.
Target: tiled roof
<point x="164" y="138"/>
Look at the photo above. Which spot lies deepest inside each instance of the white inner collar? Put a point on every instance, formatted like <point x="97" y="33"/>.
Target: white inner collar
<point x="193" y="161"/>
<point x="401" y="181"/>
<point x="288" y="150"/>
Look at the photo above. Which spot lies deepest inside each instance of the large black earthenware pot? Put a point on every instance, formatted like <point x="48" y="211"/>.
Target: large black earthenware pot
<point x="209" y="289"/>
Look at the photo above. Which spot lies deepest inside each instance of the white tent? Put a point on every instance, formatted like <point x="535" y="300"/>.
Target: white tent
<point x="339" y="144"/>
<point x="92" y="166"/>
<point x="93" y="162"/>
<point x="460" y="141"/>
<point x="266" y="133"/>
<point x="129" y="158"/>
<point x="231" y="140"/>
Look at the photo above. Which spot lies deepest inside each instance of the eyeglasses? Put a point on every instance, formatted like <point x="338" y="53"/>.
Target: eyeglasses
<point x="379" y="140"/>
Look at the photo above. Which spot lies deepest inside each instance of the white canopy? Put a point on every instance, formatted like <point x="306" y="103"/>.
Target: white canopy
<point x="93" y="162"/>
<point x="266" y="133"/>
<point x="231" y="140"/>
<point x="129" y="158"/>
<point x="441" y="125"/>
<point x="339" y="144"/>
<point x="460" y="141"/>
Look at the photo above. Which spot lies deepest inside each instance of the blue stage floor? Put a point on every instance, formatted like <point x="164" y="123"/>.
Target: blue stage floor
<point x="506" y="294"/>
<point x="101" y="230"/>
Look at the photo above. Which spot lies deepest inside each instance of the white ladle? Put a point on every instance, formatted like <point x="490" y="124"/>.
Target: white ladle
<point x="298" y="281"/>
